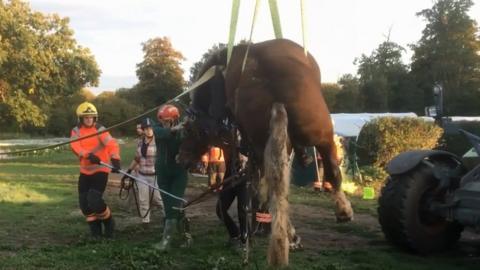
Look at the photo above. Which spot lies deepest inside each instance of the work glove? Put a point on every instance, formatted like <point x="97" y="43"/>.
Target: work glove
<point x="115" y="165"/>
<point x="93" y="158"/>
<point x="177" y="127"/>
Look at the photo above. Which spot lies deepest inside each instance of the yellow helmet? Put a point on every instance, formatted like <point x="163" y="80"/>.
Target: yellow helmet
<point x="86" y="109"/>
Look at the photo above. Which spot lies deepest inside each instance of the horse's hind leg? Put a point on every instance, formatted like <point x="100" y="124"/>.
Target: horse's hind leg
<point x="295" y="241"/>
<point x="332" y="174"/>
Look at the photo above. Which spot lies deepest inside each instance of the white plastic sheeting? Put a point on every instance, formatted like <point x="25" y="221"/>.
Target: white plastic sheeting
<point x="350" y="124"/>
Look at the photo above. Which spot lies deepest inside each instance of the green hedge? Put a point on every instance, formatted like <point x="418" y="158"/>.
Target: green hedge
<point x="383" y="138"/>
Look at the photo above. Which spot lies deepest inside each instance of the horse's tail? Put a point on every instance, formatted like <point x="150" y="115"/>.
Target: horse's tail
<point x="277" y="177"/>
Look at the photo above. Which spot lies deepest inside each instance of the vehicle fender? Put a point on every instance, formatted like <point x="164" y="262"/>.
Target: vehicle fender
<point x="406" y="161"/>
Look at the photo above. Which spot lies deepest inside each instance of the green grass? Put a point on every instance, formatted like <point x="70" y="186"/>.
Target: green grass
<point x="42" y="228"/>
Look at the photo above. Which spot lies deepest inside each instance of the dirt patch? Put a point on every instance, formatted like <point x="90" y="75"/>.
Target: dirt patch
<point x="316" y="226"/>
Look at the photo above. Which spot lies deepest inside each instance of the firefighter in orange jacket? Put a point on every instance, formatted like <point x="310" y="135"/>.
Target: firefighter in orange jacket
<point x="216" y="167"/>
<point x="93" y="176"/>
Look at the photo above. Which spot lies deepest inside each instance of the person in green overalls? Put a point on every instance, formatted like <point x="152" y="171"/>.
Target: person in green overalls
<point x="171" y="176"/>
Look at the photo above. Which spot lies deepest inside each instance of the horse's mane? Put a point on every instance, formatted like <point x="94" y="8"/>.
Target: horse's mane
<point x="209" y="98"/>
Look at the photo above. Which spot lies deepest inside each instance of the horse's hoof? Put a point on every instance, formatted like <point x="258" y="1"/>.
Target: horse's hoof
<point x="296" y="243"/>
<point x="344" y="219"/>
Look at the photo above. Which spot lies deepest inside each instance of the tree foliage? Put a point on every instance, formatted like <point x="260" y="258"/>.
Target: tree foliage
<point x="380" y="74"/>
<point x="113" y="110"/>
<point x="347" y="99"/>
<point x="329" y="92"/>
<point x="448" y="54"/>
<point x="195" y="69"/>
<point x="40" y="62"/>
<point x="160" y="75"/>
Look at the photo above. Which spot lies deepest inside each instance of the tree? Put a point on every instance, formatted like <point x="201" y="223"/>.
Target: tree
<point x="62" y="117"/>
<point x="195" y="69"/>
<point x="347" y="99"/>
<point x="160" y="75"/>
<point x="113" y="110"/>
<point x="448" y="54"/>
<point x="379" y="76"/>
<point x="40" y="63"/>
<point x="330" y="91"/>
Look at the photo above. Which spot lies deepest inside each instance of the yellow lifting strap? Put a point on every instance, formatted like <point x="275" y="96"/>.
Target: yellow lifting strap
<point x="254" y="20"/>
<point x="304" y="25"/>
<point x="277" y="27"/>
<point x="233" y="28"/>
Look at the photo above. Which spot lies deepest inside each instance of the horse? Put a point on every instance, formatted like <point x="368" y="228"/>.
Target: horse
<point x="266" y="89"/>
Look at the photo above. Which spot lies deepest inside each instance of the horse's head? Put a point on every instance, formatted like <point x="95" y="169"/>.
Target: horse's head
<point x="200" y="132"/>
<point x="206" y="112"/>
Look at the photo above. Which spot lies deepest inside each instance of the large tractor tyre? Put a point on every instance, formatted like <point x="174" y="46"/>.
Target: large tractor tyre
<point x="404" y="217"/>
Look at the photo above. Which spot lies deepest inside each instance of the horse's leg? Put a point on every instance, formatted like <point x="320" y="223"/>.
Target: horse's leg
<point x="293" y="238"/>
<point x="332" y="174"/>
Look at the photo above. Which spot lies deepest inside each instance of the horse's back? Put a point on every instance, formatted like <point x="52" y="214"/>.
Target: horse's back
<point x="278" y="71"/>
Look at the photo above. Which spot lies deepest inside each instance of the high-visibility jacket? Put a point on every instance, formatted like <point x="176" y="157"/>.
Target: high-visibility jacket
<point x="103" y="146"/>
<point x="215" y="154"/>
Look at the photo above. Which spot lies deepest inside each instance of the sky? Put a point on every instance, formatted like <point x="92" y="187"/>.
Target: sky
<point x="337" y="31"/>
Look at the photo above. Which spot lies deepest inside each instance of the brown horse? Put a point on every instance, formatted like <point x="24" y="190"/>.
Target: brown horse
<point x="275" y="71"/>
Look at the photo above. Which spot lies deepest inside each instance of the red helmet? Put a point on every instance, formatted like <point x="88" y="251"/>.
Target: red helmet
<point x="168" y="112"/>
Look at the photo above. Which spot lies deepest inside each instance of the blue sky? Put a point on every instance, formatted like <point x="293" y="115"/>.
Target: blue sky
<point x="338" y="31"/>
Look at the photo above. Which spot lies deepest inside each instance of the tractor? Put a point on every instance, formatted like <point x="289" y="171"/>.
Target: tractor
<point x="430" y="196"/>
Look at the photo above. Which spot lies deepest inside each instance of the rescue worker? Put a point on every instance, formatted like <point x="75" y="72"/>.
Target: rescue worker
<point x="93" y="176"/>
<point x="204" y="164"/>
<point x="216" y="168"/>
<point x="144" y="165"/>
<point x="237" y="234"/>
<point x="171" y="176"/>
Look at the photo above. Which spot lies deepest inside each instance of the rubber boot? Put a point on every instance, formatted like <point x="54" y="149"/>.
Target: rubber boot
<point x="167" y="237"/>
<point x="183" y="227"/>
<point x="109" y="225"/>
<point x="95" y="228"/>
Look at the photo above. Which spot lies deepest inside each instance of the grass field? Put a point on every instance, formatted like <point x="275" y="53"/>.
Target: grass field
<point x="41" y="227"/>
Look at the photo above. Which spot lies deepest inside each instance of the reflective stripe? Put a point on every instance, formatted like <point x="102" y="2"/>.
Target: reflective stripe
<point x="106" y="214"/>
<point x="263" y="217"/>
<point x="91" y="217"/>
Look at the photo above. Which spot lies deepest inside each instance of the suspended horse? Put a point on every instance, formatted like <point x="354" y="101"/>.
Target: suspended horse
<point x="271" y="92"/>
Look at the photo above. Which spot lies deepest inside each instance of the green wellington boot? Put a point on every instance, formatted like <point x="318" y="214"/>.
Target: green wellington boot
<point x="168" y="234"/>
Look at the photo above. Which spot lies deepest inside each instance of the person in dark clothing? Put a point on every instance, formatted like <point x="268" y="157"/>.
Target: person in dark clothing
<point x="171" y="176"/>
<point x="232" y="190"/>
